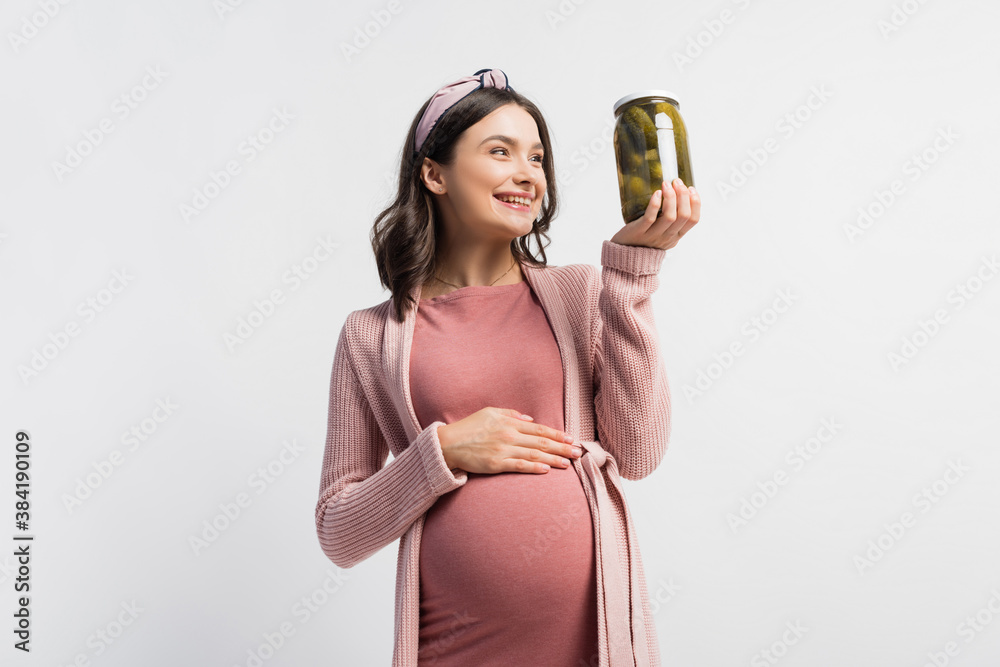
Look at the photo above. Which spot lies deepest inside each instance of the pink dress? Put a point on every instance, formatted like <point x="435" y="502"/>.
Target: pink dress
<point x="507" y="569"/>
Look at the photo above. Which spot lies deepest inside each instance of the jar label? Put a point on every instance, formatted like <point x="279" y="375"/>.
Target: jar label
<point x="667" y="147"/>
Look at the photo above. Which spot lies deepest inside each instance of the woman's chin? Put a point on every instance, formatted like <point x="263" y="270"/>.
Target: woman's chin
<point x="522" y="229"/>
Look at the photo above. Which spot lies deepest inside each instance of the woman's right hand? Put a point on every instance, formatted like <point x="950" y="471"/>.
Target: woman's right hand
<point x="495" y="440"/>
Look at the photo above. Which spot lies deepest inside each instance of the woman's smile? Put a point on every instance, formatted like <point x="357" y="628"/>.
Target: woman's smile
<point x="524" y="208"/>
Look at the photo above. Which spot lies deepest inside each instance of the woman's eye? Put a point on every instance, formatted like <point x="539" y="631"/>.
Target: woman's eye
<point x="540" y="157"/>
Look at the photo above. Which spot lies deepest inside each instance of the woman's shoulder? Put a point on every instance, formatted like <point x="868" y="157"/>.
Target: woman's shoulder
<point x="366" y="324"/>
<point x="372" y="317"/>
<point x="361" y="336"/>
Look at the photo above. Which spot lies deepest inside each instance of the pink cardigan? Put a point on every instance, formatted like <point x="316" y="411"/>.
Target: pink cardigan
<point x="617" y="406"/>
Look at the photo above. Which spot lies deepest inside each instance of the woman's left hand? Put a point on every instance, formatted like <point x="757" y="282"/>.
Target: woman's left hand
<point x="679" y="213"/>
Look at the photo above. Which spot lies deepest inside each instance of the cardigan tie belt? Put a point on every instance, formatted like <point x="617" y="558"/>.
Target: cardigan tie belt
<point x="627" y="647"/>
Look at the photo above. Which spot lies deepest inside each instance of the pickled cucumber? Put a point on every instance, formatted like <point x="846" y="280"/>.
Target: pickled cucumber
<point x="655" y="171"/>
<point x="635" y="196"/>
<point x="632" y="161"/>
<point x="663" y="107"/>
<point x="684" y="170"/>
<point x="640" y="123"/>
<point x="636" y="186"/>
<point x="629" y="143"/>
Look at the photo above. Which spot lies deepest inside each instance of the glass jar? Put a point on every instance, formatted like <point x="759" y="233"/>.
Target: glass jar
<point x="651" y="146"/>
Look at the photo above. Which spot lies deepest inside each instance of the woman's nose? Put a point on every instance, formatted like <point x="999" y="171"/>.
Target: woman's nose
<point x="526" y="172"/>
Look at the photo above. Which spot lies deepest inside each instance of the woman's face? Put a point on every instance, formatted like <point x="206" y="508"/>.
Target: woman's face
<point x="502" y="154"/>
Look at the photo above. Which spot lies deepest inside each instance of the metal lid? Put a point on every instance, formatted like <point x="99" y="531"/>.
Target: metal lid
<point x="647" y="93"/>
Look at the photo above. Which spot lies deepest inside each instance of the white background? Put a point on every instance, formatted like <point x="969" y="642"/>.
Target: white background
<point x="724" y="591"/>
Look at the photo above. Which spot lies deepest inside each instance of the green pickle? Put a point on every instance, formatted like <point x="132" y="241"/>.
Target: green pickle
<point x="639" y="122"/>
<point x="646" y="150"/>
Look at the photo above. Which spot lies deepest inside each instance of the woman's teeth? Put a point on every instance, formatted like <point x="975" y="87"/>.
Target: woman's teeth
<point x="520" y="201"/>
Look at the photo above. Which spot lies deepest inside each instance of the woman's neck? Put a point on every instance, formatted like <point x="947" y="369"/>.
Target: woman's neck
<point x="435" y="287"/>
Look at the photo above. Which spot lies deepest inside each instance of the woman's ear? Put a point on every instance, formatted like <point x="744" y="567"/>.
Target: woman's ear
<point x="432" y="176"/>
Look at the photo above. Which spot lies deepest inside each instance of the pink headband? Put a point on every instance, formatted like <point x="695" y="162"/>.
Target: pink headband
<point x="446" y="97"/>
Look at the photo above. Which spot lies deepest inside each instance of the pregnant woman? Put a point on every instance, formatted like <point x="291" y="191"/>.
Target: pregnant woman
<point x="513" y="395"/>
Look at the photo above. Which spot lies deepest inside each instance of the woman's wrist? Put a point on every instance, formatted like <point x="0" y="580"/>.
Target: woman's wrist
<point x="443" y="438"/>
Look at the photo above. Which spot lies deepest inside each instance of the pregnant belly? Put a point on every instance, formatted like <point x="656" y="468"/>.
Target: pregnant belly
<point x="508" y="556"/>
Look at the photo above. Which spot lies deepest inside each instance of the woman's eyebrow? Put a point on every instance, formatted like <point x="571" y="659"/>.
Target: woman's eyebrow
<point x="507" y="140"/>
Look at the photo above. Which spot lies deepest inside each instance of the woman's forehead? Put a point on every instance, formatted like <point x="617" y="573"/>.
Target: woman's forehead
<point x="509" y="123"/>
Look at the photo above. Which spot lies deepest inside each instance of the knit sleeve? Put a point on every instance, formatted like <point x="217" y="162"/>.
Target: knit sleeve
<point x="362" y="505"/>
<point x="631" y="392"/>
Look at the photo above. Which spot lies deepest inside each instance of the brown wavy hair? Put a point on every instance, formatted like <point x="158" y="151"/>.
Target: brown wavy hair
<point x="404" y="235"/>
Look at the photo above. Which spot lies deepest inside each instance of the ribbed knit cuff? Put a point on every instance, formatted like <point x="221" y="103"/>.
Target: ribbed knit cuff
<point x="438" y="473"/>
<point x="634" y="259"/>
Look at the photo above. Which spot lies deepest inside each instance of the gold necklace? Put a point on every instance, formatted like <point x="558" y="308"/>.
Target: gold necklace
<point x="490" y="285"/>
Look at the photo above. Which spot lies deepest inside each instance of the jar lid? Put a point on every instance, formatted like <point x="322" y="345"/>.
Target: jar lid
<point x="647" y="93"/>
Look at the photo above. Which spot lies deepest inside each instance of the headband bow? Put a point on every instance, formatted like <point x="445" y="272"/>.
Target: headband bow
<point x="446" y="97"/>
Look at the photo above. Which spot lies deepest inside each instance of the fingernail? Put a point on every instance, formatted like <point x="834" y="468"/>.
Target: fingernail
<point x="658" y="194"/>
<point x="568" y="438"/>
<point x="692" y="190"/>
<point x="577" y="451"/>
